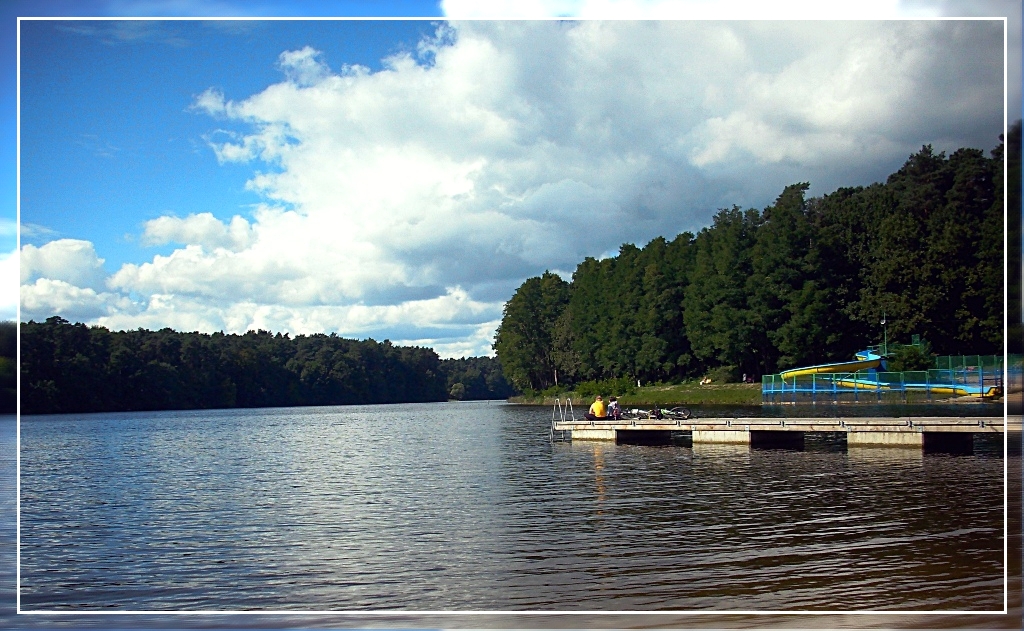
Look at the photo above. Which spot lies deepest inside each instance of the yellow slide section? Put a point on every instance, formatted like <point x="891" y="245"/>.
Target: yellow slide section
<point x="864" y="361"/>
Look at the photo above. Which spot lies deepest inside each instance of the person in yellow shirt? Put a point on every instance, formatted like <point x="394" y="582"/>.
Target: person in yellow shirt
<point x="597" y="410"/>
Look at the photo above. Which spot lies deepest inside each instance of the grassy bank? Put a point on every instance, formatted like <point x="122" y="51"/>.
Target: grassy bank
<point x="669" y="395"/>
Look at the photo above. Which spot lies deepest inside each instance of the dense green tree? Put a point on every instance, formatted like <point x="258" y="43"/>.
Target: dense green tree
<point x="792" y="300"/>
<point x="715" y="310"/>
<point x="624" y="316"/>
<point x="657" y="322"/>
<point x="844" y="224"/>
<point x="73" y="368"/>
<point x="930" y="262"/>
<point x="587" y="326"/>
<point x="479" y="377"/>
<point x="1013" y="244"/>
<point x="8" y="367"/>
<point x="564" y="347"/>
<point x="805" y="281"/>
<point x="523" y="341"/>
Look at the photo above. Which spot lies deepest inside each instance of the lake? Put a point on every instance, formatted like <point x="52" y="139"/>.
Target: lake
<point x="468" y="507"/>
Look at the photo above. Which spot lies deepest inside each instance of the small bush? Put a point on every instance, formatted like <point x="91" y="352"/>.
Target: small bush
<point x="909" y="358"/>
<point x="554" y="392"/>
<point x="606" y="388"/>
<point x="458" y="391"/>
<point x="724" y="374"/>
<point x="587" y="389"/>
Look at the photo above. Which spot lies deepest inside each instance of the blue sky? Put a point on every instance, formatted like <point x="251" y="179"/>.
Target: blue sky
<point x="130" y="150"/>
<point x="399" y="178"/>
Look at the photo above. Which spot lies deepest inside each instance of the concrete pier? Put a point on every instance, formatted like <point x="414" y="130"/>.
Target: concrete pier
<point x="730" y="436"/>
<point x="885" y="439"/>
<point x="590" y="433"/>
<point x="911" y="432"/>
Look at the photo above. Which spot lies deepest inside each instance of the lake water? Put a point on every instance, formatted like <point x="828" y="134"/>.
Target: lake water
<point x="469" y="507"/>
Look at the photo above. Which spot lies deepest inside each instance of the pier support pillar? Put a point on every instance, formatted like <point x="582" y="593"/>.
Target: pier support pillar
<point x="593" y="434"/>
<point x="777" y="440"/>
<point x="949" y="442"/>
<point x="643" y="437"/>
<point x="886" y="439"/>
<point x="1014" y="443"/>
<point x="730" y="436"/>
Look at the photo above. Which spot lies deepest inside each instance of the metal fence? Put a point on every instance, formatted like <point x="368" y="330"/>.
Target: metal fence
<point x="954" y="362"/>
<point x="981" y="376"/>
<point x="1013" y="380"/>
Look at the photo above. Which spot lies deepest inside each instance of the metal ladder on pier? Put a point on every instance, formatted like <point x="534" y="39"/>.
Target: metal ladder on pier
<point x="561" y="413"/>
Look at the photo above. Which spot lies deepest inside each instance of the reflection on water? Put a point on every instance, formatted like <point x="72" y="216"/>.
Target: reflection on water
<point x="599" y="477"/>
<point x="733" y="452"/>
<point x="885" y="456"/>
<point x="470" y="507"/>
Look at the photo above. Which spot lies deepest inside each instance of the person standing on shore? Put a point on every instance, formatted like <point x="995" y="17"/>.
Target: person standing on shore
<point x="597" y="410"/>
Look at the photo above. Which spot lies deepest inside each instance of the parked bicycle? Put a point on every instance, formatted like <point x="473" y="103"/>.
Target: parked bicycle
<point x="672" y="414"/>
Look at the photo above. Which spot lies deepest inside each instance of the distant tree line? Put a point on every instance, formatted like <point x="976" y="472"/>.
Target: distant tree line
<point x="8" y="367"/>
<point x="69" y="367"/>
<point x="805" y="281"/>
<point x="475" y="378"/>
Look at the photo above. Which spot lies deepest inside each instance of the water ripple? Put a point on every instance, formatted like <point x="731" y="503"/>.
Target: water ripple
<point x="468" y="506"/>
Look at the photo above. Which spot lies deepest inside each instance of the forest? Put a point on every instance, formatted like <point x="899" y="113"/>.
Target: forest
<point x="68" y="367"/>
<point x="806" y="280"/>
<point x="8" y="367"/>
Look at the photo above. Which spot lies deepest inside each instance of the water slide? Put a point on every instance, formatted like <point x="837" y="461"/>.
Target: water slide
<point x="865" y="360"/>
<point x="956" y="389"/>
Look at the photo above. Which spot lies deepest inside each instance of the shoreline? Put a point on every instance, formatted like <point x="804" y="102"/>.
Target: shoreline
<point x="685" y="394"/>
<point x="692" y="394"/>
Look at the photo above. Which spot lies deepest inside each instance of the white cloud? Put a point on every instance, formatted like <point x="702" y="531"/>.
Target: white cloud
<point x="72" y="261"/>
<point x="303" y="67"/>
<point x="760" y="10"/>
<point x="9" y="285"/>
<point x="46" y="297"/>
<point x="454" y="311"/>
<point x="203" y="229"/>
<point x="410" y="202"/>
<point x="66" y="278"/>
<point x="211" y="101"/>
<point x="34" y="231"/>
<point x="685" y="9"/>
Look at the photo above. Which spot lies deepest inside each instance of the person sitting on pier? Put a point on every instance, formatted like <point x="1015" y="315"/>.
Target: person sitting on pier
<point x="597" y="410"/>
<point x="614" y="410"/>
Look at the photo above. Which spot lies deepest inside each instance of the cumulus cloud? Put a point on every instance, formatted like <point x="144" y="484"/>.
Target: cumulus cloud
<point x="66" y="278"/>
<point x="71" y="261"/>
<point x="303" y="67"/>
<point x="203" y="229"/>
<point x="687" y="9"/>
<point x="411" y="201"/>
<point x="46" y="297"/>
<point x="8" y="285"/>
<point x="453" y="318"/>
<point x="528" y="126"/>
<point x="211" y="101"/>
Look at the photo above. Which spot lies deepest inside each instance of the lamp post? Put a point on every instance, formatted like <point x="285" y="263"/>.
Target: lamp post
<point x="885" y="338"/>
